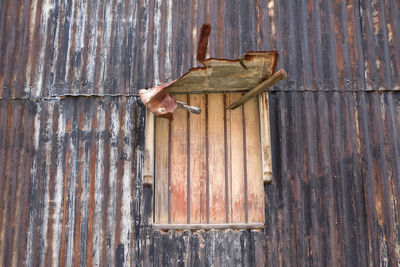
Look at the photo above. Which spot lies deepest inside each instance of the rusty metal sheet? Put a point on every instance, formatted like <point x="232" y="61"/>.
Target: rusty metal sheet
<point x="334" y="200"/>
<point x="55" y="48"/>
<point x="158" y="101"/>
<point x="69" y="170"/>
<point x="381" y="44"/>
<point x="221" y="75"/>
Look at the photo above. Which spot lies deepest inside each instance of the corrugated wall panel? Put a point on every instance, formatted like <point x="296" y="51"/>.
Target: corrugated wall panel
<point x="65" y="192"/>
<point x="54" y="48"/>
<point x="334" y="199"/>
<point x="69" y="172"/>
<point x="381" y="44"/>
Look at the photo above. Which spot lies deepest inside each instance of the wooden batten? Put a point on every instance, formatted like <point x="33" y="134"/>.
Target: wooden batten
<point x="259" y="89"/>
<point x="265" y="138"/>
<point x="148" y="172"/>
<point x="162" y="173"/>
<point x="210" y="226"/>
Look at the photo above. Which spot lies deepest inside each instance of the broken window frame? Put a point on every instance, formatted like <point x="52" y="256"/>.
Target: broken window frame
<point x="266" y="167"/>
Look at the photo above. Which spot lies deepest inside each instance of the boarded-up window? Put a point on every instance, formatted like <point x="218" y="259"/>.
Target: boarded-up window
<point x="208" y="167"/>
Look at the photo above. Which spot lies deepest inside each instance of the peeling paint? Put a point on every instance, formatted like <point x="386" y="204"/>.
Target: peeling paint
<point x="321" y="209"/>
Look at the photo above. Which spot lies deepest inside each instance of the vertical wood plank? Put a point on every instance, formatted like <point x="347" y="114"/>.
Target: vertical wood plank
<point x="161" y="170"/>
<point x="178" y="170"/>
<point x="255" y="189"/>
<point x="265" y="138"/>
<point x="228" y="164"/>
<point x="198" y="161"/>
<point x="148" y="170"/>
<point x="216" y="158"/>
<point x="237" y="161"/>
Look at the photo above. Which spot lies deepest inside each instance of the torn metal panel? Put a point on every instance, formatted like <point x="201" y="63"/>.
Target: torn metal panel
<point x="218" y="75"/>
<point x="223" y="75"/>
<point x="159" y="101"/>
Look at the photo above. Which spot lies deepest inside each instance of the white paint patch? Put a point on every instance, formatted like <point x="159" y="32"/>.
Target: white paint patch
<point x="80" y="21"/>
<point x="156" y="53"/>
<point x="126" y="220"/>
<point x="390" y="32"/>
<point x="92" y="45"/>
<point x="71" y="195"/>
<point x="112" y="183"/>
<point x="97" y="238"/>
<point x="194" y="34"/>
<point x="85" y="181"/>
<point x="143" y="49"/>
<point x="43" y="32"/>
<point x="106" y="42"/>
<point x="375" y="21"/>
<point x="366" y="74"/>
<point x="133" y="32"/>
<point x="55" y="57"/>
<point x="32" y="32"/>
<point x="271" y="14"/>
<point x="378" y="64"/>
<point x="58" y="191"/>
<point x="46" y="202"/>
<point x="68" y="63"/>
<point x="34" y="178"/>
<point x="168" y="42"/>
<point x="271" y="8"/>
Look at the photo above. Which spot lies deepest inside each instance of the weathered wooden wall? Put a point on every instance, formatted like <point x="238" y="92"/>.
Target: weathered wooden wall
<point x="71" y="167"/>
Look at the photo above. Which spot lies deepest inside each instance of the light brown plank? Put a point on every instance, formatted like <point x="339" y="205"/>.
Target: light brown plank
<point x="228" y="164"/>
<point x="255" y="188"/>
<point x="259" y="89"/>
<point x="198" y="161"/>
<point x="148" y="170"/>
<point x="161" y="170"/>
<point x="237" y="162"/>
<point x="178" y="166"/>
<point x="265" y="137"/>
<point x="216" y="158"/>
<point x="209" y="226"/>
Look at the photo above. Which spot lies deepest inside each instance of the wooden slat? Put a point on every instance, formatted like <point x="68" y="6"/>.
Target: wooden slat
<point x="228" y="165"/>
<point x="255" y="189"/>
<point x="265" y="137"/>
<point x="236" y="162"/>
<point x="148" y="170"/>
<point x="208" y="226"/>
<point x="259" y="89"/>
<point x="216" y="158"/>
<point x="178" y="170"/>
<point x="161" y="170"/>
<point x="198" y="161"/>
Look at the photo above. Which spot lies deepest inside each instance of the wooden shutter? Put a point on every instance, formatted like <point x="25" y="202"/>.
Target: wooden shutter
<point x="208" y="167"/>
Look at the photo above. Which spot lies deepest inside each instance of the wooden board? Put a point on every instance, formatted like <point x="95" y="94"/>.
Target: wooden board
<point x="198" y="175"/>
<point x="178" y="168"/>
<point x="255" y="191"/>
<point x="237" y="161"/>
<point x="148" y="170"/>
<point x="265" y="138"/>
<point x="161" y="170"/>
<point x="216" y="158"/>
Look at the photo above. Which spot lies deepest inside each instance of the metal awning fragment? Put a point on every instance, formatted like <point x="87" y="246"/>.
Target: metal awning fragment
<point x="158" y="101"/>
<point x="254" y="72"/>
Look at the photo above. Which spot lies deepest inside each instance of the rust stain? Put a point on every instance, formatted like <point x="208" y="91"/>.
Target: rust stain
<point x="95" y="48"/>
<point x="78" y="203"/>
<point x="92" y="176"/>
<point x="65" y="201"/>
